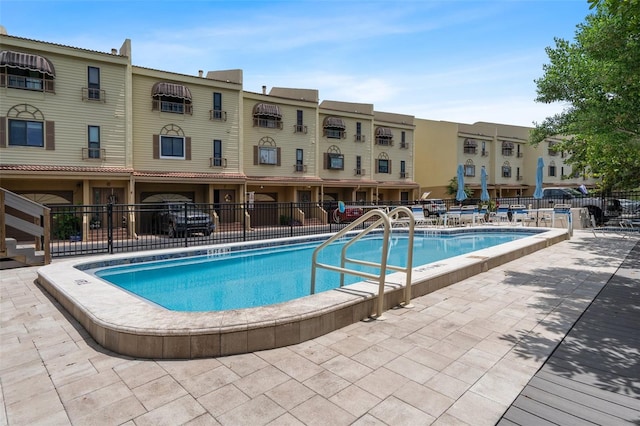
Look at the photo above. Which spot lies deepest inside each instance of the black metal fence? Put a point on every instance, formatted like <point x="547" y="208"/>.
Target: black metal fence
<point x="118" y="228"/>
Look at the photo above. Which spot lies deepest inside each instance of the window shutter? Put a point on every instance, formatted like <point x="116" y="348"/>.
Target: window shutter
<point x="377" y="166"/>
<point x="389" y="167"/>
<point x="278" y="156"/>
<point x="3" y="132"/>
<point x="50" y="135"/>
<point x="156" y="146"/>
<point x="255" y="155"/>
<point x="187" y="148"/>
<point x="326" y="161"/>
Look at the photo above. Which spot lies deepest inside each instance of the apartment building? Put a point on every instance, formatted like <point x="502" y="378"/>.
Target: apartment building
<point x="86" y="127"/>
<point x="502" y="150"/>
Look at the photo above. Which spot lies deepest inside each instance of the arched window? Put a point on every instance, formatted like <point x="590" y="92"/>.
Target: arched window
<point x="27" y="127"/>
<point x="333" y="158"/>
<point x="383" y="163"/>
<point x="172" y="143"/>
<point x="469" y="168"/>
<point x="266" y="152"/>
<point x="506" y="170"/>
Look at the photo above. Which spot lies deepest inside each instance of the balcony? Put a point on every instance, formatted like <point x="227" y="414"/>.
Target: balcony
<point x="520" y="155"/>
<point x="172" y="107"/>
<point x="470" y="150"/>
<point x="404" y="145"/>
<point x="519" y="177"/>
<point x="484" y="153"/>
<point x="404" y="175"/>
<point x="99" y="154"/>
<point x="91" y="94"/>
<point x="300" y="128"/>
<point x="359" y="172"/>
<point x="216" y="162"/>
<point x="382" y="141"/>
<point x="26" y="83"/>
<point x="217" y="115"/>
<point x="300" y="168"/>
<point x="268" y="123"/>
<point x="358" y="138"/>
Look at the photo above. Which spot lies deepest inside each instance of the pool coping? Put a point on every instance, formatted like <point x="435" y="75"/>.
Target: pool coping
<point x="130" y="326"/>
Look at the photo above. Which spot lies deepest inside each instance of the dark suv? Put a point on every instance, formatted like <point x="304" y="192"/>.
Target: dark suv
<point x="177" y="218"/>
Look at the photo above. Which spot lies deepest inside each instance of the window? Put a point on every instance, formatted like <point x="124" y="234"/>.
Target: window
<point x="267" y="116"/>
<point x="334" y="128"/>
<point x="299" y="126"/>
<point x="403" y="168"/>
<point x="26" y="133"/>
<point x="470" y="146"/>
<point x="469" y="169"/>
<point x="384" y="136"/>
<point x="172" y="98"/>
<point x="217" y="113"/>
<point x="93" y="142"/>
<point x="217" y="160"/>
<point x="268" y="155"/>
<point x="335" y="161"/>
<point x="172" y="147"/>
<point x="507" y="148"/>
<point x="383" y="165"/>
<point x="519" y="154"/>
<point x="552" y="150"/>
<point x="484" y="149"/>
<point x="403" y="140"/>
<point x="552" y="169"/>
<point x="506" y="170"/>
<point x="518" y="175"/>
<point x="93" y="83"/>
<point x="25" y="71"/>
<point x="359" y="137"/>
<point x="299" y="160"/>
<point x="359" y="170"/>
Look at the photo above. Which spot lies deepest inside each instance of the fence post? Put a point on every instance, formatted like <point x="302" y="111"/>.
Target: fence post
<point x="291" y="219"/>
<point x="186" y="223"/>
<point x="110" y="227"/>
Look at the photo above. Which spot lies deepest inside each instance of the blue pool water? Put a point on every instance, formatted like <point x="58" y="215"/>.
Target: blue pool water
<point x="226" y="280"/>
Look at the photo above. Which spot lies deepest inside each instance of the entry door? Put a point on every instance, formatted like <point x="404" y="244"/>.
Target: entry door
<point x="225" y="200"/>
<point x="101" y="197"/>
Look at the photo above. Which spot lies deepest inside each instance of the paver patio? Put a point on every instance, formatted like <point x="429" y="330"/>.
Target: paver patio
<point x="460" y="356"/>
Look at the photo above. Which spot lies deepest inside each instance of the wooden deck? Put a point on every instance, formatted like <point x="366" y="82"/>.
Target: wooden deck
<point x="593" y="376"/>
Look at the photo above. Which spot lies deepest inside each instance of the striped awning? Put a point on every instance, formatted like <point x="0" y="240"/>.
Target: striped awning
<point x="334" y="123"/>
<point x="173" y="90"/>
<point x="267" y="110"/>
<point x="383" y="132"/>
<point x="471" y="143"/>
<point x="26" y="61"/>
<point x="506" y="144"/>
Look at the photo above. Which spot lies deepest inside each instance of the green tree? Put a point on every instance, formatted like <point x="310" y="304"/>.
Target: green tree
<point x="452" y="188"/>
<point x="598" y="77"/>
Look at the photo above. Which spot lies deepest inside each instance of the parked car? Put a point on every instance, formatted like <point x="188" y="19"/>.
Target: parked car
<point x="177" y="218"/>
<point x="630" y="206"/>
<point x="349" y="214"/>
<point x="433" y="207"/>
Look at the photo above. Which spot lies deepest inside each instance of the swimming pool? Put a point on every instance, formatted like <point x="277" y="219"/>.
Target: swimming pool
<point x="131" y="326"/>
<point x="228" y="279"/>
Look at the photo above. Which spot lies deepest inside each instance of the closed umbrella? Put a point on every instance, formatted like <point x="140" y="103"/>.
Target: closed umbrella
<point x="484" y="195"/>
<point x="539" y="170"/>
<point x="461" y="195"/>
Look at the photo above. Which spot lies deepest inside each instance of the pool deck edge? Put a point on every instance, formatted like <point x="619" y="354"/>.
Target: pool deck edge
<point x="129" y="326"/>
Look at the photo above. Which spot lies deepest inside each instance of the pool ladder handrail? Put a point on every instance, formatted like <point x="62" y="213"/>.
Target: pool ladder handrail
<point x="384" y="219"/>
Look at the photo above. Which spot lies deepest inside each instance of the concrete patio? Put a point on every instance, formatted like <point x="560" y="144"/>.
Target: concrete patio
<point x="461" y="355"/>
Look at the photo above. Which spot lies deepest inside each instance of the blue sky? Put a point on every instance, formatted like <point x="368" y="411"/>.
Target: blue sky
<point x="452" y="60"/>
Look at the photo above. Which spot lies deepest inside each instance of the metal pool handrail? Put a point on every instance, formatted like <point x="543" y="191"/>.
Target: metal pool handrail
<point x="383" y="219"/>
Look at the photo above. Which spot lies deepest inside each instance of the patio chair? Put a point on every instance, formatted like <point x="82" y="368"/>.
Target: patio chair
<point x="468" y="214"/>
<point x="520" y="214"/>
<point x="453" y="216"/>
<point x="502" y="215"/>
<point x="561" y="213"/>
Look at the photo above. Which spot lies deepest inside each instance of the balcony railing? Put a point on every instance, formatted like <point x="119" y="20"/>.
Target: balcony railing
<point x="384" y="141"/>
<point x="519" y="177"/>
<point x="267" y="123"/>
<point x="358" y="138"/>
<point x="485" y="153"/>
<point x="470" y="150"/>
<point x="404" y="175"/>
<point x="299" y="128"/>
<point x="172" y="107"/>
<point x="507" y="152"/>
<point x="27" y="83"/>
<point x="94" y="154"/>
<point x="404" y="145"/>
<point x="359" y="172"/>
<point x="300" y="168"/>
<point x="217" y="115"/>
<point x="217" y="162"/>
<point x="335" y="134"/>
<point x="91" y="94"/>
